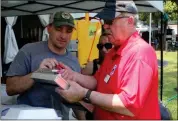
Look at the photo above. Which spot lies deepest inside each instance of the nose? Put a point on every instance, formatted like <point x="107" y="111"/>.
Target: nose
<point x="104" y="50"/>
<point x="63" y="35"/>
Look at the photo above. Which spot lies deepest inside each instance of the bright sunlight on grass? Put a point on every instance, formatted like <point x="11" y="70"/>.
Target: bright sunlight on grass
<point x="170" y="82"/>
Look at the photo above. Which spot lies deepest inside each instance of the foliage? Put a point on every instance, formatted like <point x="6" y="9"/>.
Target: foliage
<point x="170" y="7"/>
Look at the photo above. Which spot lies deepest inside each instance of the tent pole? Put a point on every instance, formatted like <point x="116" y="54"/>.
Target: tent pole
<point x="177" y="52"/>
<point x="150" y="29"/>
<point x="161" y="72"/>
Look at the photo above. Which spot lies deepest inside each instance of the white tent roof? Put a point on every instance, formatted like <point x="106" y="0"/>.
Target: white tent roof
<point x="30" y="7"/>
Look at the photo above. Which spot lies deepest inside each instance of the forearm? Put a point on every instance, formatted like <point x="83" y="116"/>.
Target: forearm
<point x="110" y="102"/>
<point x="18" y="84"/>
<point x="88" y="82"/>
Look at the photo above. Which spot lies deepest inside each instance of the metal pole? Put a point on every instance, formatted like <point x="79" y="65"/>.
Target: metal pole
<point x="161" y="72"/>
<point x="150" y="29"/>
<point x="21" y="25"/>
<point x="177" y="51"/>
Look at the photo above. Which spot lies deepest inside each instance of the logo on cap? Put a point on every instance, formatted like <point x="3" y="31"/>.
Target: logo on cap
<point x="65" y="15"/>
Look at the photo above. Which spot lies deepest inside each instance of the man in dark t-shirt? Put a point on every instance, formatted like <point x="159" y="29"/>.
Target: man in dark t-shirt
<point x="44" y="54"/>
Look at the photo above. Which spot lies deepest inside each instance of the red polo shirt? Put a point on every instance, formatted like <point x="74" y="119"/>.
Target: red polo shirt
<point x="131" y="72"/>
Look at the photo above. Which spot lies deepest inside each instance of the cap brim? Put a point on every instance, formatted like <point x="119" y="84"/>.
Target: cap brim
<point x="106" y="14"/>
<point x="58" y="24"/>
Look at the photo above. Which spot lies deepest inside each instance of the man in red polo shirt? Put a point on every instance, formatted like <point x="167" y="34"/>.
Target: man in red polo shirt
<point x="126" y="85"/>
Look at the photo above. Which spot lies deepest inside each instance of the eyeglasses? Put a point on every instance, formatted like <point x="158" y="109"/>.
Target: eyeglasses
<point x="110" y="22"/>
<point x="106" y="45"/>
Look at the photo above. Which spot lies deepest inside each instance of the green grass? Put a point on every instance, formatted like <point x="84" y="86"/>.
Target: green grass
<point x="170" y="81"/>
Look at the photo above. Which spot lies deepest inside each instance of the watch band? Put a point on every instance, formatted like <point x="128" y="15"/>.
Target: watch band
<point x="87" y="96"/>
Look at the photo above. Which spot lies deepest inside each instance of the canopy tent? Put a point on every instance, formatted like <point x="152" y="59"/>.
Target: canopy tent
<point x="39" y="7"/>
<point x="17" y="8"/>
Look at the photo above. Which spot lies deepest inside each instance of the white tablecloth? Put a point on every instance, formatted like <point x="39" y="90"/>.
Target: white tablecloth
<point x="27" y="112"/>
<point x="5" y="99"/>
<point x="11" y="102"/>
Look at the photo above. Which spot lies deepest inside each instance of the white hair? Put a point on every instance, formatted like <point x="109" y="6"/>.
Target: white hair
<point x="136" y="16"/>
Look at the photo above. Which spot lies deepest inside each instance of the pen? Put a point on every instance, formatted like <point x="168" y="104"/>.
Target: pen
<point x="55" y="71"/>
<point x="3" y="113"/>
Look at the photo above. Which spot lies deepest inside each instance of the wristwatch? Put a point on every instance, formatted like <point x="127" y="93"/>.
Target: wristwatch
<point x="87" y="97"/>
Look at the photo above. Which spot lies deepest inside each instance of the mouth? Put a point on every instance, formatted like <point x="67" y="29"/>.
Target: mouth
<point x="105" y="53"/>
<point x="61" y="41"/>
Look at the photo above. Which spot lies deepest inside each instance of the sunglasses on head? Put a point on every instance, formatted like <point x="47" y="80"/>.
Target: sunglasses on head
<point x="106" y="45"/>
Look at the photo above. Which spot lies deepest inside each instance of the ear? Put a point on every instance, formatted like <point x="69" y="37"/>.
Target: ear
<point x="49" y="27"/>
<point x="131" y="20"/>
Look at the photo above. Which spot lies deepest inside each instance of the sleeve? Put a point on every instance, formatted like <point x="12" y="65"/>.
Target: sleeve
<point x="135" y="84"/>
<point x="76" y="66"/>
<point x="21" y="64"/>
<point x="78" y="69"/>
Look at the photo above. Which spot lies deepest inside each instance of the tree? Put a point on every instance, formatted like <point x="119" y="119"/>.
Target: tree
<point x="145" y="17"/>
<point x="170" y="7"/>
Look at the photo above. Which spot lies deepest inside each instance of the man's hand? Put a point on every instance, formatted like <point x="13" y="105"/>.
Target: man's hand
<point x="67" y="73"/>
<point x="74" y="94"/>
<point x="49" y="63"/>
